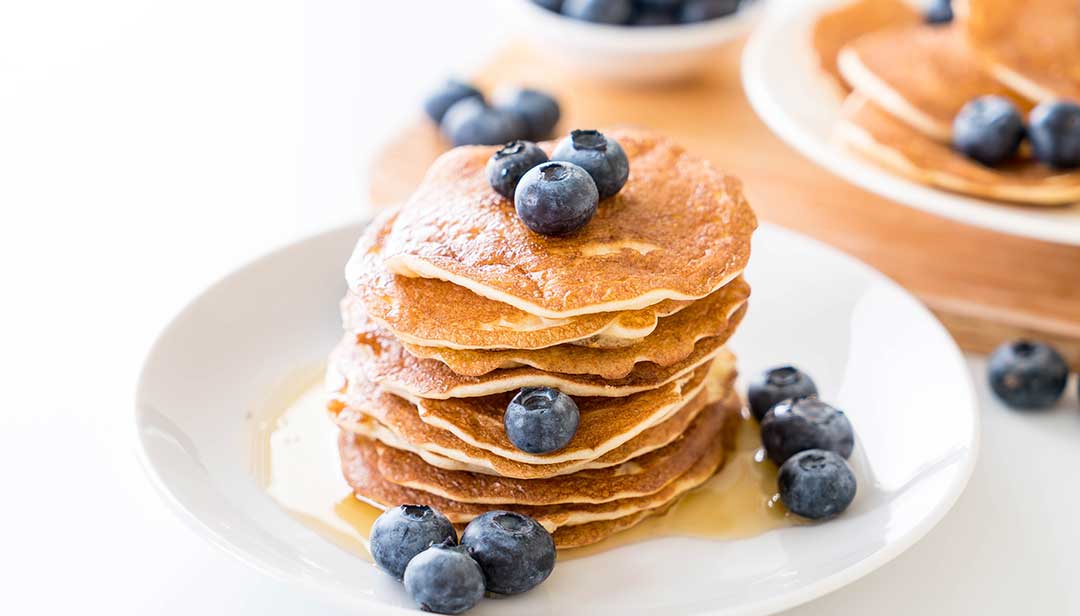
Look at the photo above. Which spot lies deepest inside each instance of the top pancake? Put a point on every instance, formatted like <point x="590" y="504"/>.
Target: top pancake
<point x="840" y="26"/>
<point x="1031" y="46"/>
<point x="432" y="312"/>
<point x="679" y="229"/>
<point x="921" y="74"/>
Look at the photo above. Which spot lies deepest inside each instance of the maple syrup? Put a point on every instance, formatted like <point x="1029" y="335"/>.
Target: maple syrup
<point x="299" y="467"/>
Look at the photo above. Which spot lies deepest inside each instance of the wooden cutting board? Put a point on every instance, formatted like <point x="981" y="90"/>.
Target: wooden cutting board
<point x="986" y="287"/>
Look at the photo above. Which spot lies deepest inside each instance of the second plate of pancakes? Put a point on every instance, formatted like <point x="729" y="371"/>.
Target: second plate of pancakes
<point x="798" y="101"/>
<point x="871" y="347"/>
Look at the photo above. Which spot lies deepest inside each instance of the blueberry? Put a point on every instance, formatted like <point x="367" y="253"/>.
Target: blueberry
<point x="599" y="11"/>
<point x="538" y="111"/>
<point x="401" y="533"/>
<point x="1054" y="132"/>
<point x="704" y="10"/>
<point x="551" y="5"/>
<point x="988" y="129"/>
<point x="816" y="484"/>
<point x="541" y="420"/>
<point x="439" y="101"/>
<point x="444" y="579"/>
<point x="513" y="550"/>
<point x="556" y="198"/>
<point x="939" y="12"/>
<point x="603" y="158"/>
<point x="776" y="384"/>
<point x="510" y="162"/>
<point x="653" y="17"/>
<point x="805" y="423"/>
<point x="1027" y="375"/>
<point x="472" y="122"/>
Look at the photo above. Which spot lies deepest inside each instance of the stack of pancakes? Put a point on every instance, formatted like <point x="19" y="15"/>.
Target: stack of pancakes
<point x="454" y="306"/>
<point x="906" y="80"/>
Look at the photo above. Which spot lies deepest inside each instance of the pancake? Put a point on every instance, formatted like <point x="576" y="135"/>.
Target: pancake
<point x="672" y="341"/>
<point x="640" y="476"/>
<point x="359" y="459"/>
<point x="679" y="229"/>
<point x="403" y="429"/>
<point x="373" y="355"/>
<point x="884" y="139"/>
<point x="605" y="423"/>
<point x="836" y="28"/>
<point x="432" y="312"/>
<point x="921" y="74"/>
<point x="1032" y="47"/>
<point x="581" y="535"/>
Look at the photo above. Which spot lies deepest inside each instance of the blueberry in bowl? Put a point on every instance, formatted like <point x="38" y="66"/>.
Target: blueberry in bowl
<point x="513" y="550"/>
<point x="1027" y="375"/>
<point x="401" y="533"/>
<point x="796" y="425"/>
<point x="777" y="384"/>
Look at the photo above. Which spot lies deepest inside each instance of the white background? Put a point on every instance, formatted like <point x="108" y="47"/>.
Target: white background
<point x="148" y="147"/>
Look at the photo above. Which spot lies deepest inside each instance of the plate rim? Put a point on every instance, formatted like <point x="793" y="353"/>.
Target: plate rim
<point x="1000" y="217"/>
<point x="341" y="598"/>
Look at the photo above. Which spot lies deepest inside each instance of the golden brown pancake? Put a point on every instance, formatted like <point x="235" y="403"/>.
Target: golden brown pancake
<point x="403" y="429"/>
<point x="580" y="535"/>
<point x="1031" y="46"/>
<point x="881" y="137"/>
<point x="640" y="476"/>
<point x="432" y="312"/>
<point x="360" y="466"/>
<point x="374" y="355"/>
<point x="679" y="229"/>
<point x="836" y="28"/>
<point x="921" y="74"/>
<point x="672" y="341"/>
<point x="455" y="428"/>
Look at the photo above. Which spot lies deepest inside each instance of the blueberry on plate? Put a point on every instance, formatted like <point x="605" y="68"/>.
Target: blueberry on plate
<point x="603" y="158"/>
<point x="1054" y="133"/>
<point x="805" y="423"/>
<point x="551" y="5"/>
<point x="541" y="420"/>
<point x="510" y="162"/>
<point x="939" y="12"/>
<point x="776" y="384"/>
<point x="439" y="101"/>
<point x="1027" y="375"/>
<point x="614" y="12"/>
<point x="556" y="198"/>
<point x="816" y="484"/>
<point x="537" y="110"/>
<point x="444" y="579"/>
<point x="472" y="122"/>
<point x="704" y="10"/>
<point x="401" y="533"/>
<point x="988" y="129"/>
<point x="513" y="550"/>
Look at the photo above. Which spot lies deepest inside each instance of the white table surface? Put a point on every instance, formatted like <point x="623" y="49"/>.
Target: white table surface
<point x="148" y="147"/>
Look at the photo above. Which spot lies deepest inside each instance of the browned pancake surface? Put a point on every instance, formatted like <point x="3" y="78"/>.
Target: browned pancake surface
<point x="879" y="136"/>
<point x="678" y="229"/>
<point x="432" y="312"/>
<point x="842" y="25"/>
<point x="673" y="341"/>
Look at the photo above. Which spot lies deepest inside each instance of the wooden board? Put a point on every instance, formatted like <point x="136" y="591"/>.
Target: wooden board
<point x="986" y="287"/>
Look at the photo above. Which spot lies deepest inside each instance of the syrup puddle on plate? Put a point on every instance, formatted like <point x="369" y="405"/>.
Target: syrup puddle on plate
<point x="297" y="462"/>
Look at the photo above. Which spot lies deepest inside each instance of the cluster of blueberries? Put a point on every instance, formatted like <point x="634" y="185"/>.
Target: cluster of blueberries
<point x="466" y="118"/>
<point x="809" y="439"/>
<point x="500" y="552"/>
<point x="643" y="12"/>
<point x="989" y="130"/>
<point x="559" y="196"/>
<point x="1028" y="375"/>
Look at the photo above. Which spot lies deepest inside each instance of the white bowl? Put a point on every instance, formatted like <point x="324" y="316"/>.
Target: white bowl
<point x="624" y="53"/>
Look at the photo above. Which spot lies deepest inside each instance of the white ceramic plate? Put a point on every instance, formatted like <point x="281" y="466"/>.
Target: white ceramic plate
<point x="786" y="89"/>
<point x="872" y="348"/>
